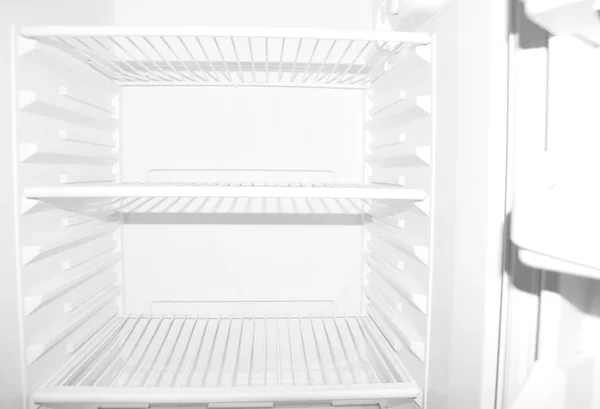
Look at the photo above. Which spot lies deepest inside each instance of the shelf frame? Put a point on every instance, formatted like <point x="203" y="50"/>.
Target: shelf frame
<point x="233" y="190"/>
<point x="232" y="56"/>
<point x="154" y="336"/>
<point x="197" y="31"/>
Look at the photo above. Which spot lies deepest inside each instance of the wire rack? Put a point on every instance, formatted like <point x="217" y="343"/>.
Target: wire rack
<point x="268" y="358"/>
<point x="168" y="201"/>
<point x="232" y="56"/>
<point x="166" y="206"/>
<point x="226" y="189"/>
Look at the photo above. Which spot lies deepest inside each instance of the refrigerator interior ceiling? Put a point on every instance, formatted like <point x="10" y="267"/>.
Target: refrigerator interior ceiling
<point x="233" y="56"/>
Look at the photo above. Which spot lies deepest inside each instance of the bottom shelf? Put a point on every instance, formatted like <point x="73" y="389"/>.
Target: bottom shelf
<point x="179" y="360"/>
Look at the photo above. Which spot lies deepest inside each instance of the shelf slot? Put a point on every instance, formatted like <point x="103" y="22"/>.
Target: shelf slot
<point x="413" y="227"/>
<point x="399" y="155"/>
<point x="399" y="209"/>
<point x="97" y="351"/>
<point x="108" y="286"/>
<point x="375" y="347"/>
<point x="88" y="138"/>
<point x="384" y="178"/>
<point x="377" y="300"/>
<point x="399" y="113"/>
<point x="399" y="332"/>
<point x="31" y="206"/>
<point x="75" y="220"/>
<point x="396" y="222"/>
<point x="87" y="178"/>
<point x="43" y="297"/>
<point x="103" y="295"/>
<point x="106" y="322"/>
<point x="63" y="242"/>
<point x="36" y="52"/>
<point x="35" y="103"/>
<point x="46" y="56"/>
<point x="424" y="206"/>
<point x="89" y="100"/>
<point x="36" y="351"/>
<point x="381" y="290"/>
<point x="33" y="153"/>
<point x="386" y="252"/>
<point x="411" y="288"/>
<point x="419" y="253"/>
<point x="92" y="250"/>
<point x="410" y="73"/>
<point x="387" y="139"/>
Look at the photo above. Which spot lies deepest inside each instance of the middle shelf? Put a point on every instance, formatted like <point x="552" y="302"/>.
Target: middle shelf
<point x="226" y="189"/>
<point x="221" y="197"/>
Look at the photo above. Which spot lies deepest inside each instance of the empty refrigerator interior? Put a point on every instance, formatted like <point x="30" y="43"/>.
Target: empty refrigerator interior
<point x="224" y="216"/>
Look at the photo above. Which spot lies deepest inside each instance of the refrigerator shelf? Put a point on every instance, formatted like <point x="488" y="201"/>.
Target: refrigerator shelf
<point x="238" y="56"/>
<point x="225" y="190"/>
<point x="149" y="359"/>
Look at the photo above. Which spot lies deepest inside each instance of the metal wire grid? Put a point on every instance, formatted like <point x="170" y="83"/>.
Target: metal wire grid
<point x="197" y="352"/>
<point x="227" y="205"/>
<point x="234" y="60"/>
<point x="160" y="200"/>
<point x="259" y="184"/>
<point x="193" y="197"/>
<point x="211" y="205"/>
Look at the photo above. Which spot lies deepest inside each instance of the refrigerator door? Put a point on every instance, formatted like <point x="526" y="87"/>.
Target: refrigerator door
<point x="551" y="307"/>
<point x="556" y="223"/>
<point x="578" y="17"/>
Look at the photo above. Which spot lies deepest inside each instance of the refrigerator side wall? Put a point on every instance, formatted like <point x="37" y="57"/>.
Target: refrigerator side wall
<point x="16" y="13"/>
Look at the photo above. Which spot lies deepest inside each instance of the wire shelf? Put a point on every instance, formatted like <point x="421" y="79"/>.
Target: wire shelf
<point x="191" y="359"/>
<point x="226" y="189"/>
<point x="222" y="201"/>
<point x="232" y="56"/>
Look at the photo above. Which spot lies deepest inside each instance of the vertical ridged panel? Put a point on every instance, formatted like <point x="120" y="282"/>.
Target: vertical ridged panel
<point x="67" y="125"/>
<point x="399" y="148"/>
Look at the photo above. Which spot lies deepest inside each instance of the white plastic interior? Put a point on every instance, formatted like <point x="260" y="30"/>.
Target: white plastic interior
<point x="352" y="251"/>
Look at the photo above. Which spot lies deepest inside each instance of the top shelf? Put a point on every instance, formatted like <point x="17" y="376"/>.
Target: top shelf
<point x="347" y="59"/>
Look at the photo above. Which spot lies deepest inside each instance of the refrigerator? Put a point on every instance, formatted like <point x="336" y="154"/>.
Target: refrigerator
<point x="260" y="204"/>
